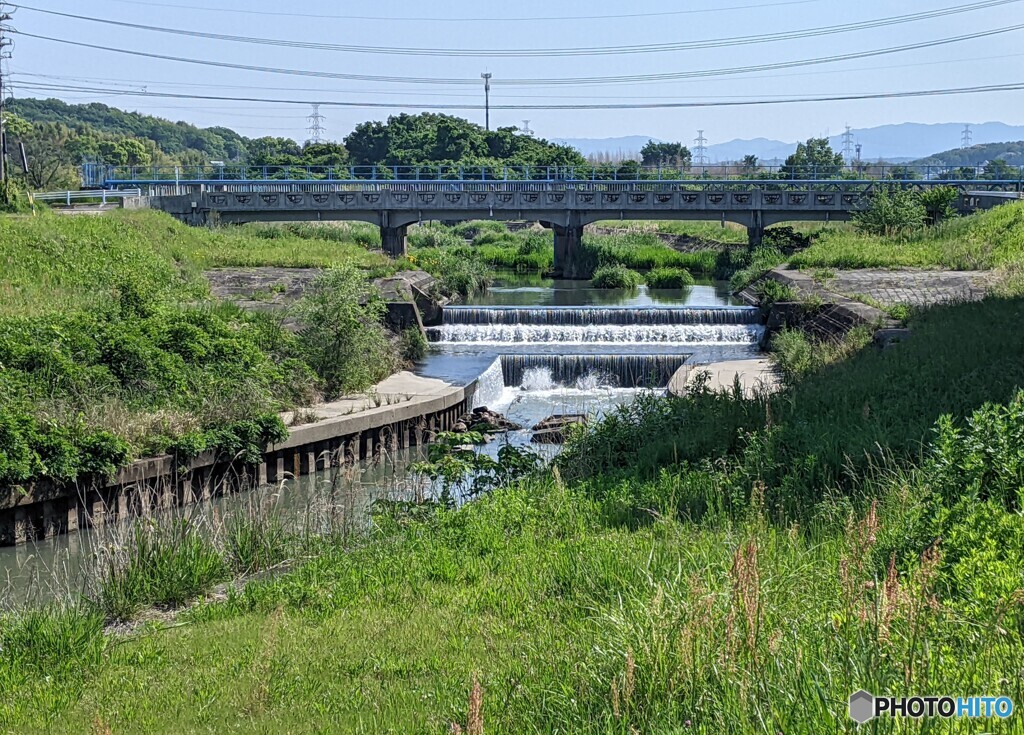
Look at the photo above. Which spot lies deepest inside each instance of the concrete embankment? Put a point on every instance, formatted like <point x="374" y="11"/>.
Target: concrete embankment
<point x="754" y="376"/>
<point x="401" y="412"/>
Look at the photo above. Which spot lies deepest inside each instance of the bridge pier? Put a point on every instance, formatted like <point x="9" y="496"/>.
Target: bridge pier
<point x="392" y="240"/>
<point x="568" y="250"/>
<point x="755" y="230"/>
<point x="755" y="236"/>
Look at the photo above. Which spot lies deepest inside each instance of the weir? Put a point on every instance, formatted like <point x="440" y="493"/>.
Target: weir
<point x="620" y="371"/>
<point x="586" y="315"/>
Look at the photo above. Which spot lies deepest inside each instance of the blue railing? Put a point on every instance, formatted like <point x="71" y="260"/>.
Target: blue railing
<point x="101" y="175"/>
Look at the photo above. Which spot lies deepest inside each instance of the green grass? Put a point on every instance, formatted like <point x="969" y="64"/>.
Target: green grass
<point x="669" y="278"/>
<point x="616" y="276"/>
<point x="709" y="232"/>
<point x="111" y="350"/>
<point x="986" y="240"/>
<point x="644" y="251"/>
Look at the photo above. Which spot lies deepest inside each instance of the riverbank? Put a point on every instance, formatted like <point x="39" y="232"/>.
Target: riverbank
<point x="681" y="552"/>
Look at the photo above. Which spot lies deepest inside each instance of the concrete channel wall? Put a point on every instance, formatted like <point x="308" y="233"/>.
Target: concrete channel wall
<point x="44" y="510"/>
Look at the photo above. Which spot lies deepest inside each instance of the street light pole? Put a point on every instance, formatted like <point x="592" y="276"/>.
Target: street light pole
<point x="486" y="76"/>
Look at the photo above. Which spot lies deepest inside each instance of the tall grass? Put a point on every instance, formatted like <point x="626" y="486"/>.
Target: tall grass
<point x="981" y="241"/>
<point x="644" y="251"/>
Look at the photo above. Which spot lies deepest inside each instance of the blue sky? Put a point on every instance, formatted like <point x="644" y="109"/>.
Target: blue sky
<point x="993" y="60"/>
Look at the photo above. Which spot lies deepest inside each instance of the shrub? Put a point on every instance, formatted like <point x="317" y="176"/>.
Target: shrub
<point x="752" y="264"/>
<point x="413" y="345"/>
<point x="785" y="239"/>
<point x="938" y="203"/>
<point x="769" y="291"/>
<point x="616" y="276"/>
<point x="669" y="278"/>
<point x="343" y="337"/>
<point x="891" y="212"/>
<point x="427" y="236"/>
<point x="460" y="271"/>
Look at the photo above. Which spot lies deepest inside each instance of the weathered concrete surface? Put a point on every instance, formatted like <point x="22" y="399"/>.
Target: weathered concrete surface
<point x="402" y="397"/>
<point x="755" y="376"/>
<point x="914" y="287"/>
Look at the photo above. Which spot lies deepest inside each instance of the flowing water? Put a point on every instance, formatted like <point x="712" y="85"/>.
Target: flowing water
<point x="535" y="347"/>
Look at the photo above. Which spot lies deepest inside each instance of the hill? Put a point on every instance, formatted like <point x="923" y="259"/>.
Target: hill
<point x="171" y="137"/>
<point x="978" y="155"/>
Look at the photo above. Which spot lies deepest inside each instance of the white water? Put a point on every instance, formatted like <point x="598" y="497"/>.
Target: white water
<point x="597" y="334"/>
<point x="490" y="386"/>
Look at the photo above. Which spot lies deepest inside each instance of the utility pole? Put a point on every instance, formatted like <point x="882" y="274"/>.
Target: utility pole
<point x="700" y="149"/>
<point x="316" y="128"/>
<point x="486" y="76"/>
<point x="4" y="54"/>
<point x="848" y="145"/>
<point x="965" y="137"/>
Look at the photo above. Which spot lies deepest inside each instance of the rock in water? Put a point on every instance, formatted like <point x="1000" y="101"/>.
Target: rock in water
<point x="554" y="429"/>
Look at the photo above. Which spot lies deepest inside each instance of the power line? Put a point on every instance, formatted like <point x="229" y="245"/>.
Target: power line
<point x="562" y="96"/>
<point x="435" y="19"/>
<point x="1010" y="87"/>
<point x="551" y="52"/>
<point x="575" y="81"/>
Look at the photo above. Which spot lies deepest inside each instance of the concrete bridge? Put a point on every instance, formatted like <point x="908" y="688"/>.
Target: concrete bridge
<point x="564" y="206"/>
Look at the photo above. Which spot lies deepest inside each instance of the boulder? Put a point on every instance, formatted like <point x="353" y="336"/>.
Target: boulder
<point x="554" y="429"/>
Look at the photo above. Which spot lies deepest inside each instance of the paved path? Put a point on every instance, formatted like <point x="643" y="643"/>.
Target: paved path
<point x="403" y="389"/>
<point x="913" y="287"/>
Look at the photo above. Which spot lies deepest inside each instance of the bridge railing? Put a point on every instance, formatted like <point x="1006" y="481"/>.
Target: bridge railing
<point x="101" y="175"/>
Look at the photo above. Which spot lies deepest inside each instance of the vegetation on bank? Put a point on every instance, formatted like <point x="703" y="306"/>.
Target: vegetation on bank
<point x="111" y="349"/>
<point x="710" y="563"/>
<point x="991" y="239"/>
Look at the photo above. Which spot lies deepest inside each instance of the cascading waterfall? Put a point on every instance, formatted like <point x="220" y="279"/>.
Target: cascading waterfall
<point x="614" y="326"/>
<point x="596" y="315"/>
<point x="489" y="386"/>
<point x="546" y="372"/>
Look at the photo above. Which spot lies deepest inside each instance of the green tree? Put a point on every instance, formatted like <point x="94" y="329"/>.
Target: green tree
<point x="271" y="151"/>
<point x="938" y="203"/>
<point x="814" y="159"/>
<point x="902" y="173"/>
<point x="892" y="212"/>
<point x="53" y="153"/>
<point x="750" y="164"/>
<point x="1000" y="170"/>
<point x="675" y="155"/>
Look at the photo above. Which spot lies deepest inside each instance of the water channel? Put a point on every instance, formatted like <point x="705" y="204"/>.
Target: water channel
<point x="538" y="347"/>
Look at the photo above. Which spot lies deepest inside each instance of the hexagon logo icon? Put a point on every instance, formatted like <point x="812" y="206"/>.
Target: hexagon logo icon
<point x="862" y="706"/>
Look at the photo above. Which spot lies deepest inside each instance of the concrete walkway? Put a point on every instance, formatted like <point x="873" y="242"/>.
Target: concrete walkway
<point x="401" y="389"/>
<point x="754" y="376"/>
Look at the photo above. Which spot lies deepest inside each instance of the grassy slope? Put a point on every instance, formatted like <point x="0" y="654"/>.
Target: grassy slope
<point x="53" y="263"/>
<point x="986" y="240"/>
<point x="105" y="326"/>
<point x="735" y="621"/>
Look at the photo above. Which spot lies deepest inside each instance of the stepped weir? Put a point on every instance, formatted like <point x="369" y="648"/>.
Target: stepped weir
<point x="598" y="326"/>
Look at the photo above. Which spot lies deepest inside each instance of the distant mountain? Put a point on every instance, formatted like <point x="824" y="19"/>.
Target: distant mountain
<point x="628" y="145"/>
<point x="897" y="143"/>
<point x="909" y="141"/>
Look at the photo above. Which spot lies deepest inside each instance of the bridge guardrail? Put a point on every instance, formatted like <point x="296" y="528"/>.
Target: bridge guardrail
<point x="98" y="174"/>
<point x="71" y="197"/>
